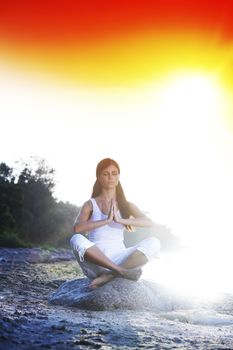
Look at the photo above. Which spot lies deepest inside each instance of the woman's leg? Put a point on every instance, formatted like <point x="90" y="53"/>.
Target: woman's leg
<point x="132" y="258"/>
<point x="135" y="260"/>
<point x="86" y="251"/>
<point x="144" y="251"/>
<point x="94" y="255"/>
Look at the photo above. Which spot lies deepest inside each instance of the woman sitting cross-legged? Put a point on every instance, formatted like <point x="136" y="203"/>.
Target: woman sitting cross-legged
<point x="103" y="255"/>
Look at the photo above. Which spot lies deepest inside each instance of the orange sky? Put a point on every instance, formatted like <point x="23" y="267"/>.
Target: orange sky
<point x="117" y="43"/>
<point x="79" y="22"/>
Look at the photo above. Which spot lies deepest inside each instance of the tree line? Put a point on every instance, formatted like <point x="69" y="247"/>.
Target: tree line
<point x="29" y="213"/>
<point x="31" y="216"/>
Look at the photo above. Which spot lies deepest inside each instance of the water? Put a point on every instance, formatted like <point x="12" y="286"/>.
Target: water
<point x="200" y="282"/>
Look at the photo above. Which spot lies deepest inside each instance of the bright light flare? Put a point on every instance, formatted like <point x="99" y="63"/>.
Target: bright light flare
<point x="194" y="184"/>
<point x="193" y="273"/>
<point x="187" y="133"/>
<point x="190" y="95"/>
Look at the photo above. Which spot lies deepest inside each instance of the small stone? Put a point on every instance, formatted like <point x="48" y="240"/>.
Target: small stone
<point x="83" y="331"/>
<point x="59" y="328"/>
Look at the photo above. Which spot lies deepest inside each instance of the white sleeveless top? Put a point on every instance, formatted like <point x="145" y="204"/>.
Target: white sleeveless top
<point x="111" y="232"/>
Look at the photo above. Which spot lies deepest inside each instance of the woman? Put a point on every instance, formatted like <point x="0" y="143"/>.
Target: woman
<point x="103" y="256"/>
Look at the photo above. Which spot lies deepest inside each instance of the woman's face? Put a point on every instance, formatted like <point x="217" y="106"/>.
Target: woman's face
<point x="109" y="177"/>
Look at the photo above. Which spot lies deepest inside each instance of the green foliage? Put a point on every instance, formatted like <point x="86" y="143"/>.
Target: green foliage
<point x="11" y="239"/>
<point x="63" y="218"/>
<point x="10" y="199"/>
<point x="6" y="173"/>
<point x="38" y="204"/>
<point x="29" y="214"/>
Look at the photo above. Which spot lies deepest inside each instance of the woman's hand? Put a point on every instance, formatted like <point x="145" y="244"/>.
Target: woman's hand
<point x="116" y="216"/>
<point x="111" y="213"/>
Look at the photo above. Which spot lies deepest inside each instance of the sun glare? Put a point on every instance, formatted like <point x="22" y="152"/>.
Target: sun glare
<point x="188" y="98"/>
<point x="194" y="188"/>
<point x="191" y="273"/>
<point x="186" y="114"/>
<point x="194" y="90"/>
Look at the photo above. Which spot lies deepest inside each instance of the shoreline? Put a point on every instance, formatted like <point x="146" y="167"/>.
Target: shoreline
<point x="28" y="321"/>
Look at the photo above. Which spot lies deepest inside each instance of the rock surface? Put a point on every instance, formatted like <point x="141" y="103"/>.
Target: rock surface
<point x="28" y="322"/>
<point x="35" y="255"/>
<point x="118" y="294"/>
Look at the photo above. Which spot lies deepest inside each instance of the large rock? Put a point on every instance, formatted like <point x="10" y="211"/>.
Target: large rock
<point x="118" y="294"/>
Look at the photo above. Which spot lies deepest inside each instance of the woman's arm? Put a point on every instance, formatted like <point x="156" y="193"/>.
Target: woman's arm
<point x="83" y="222"/>
<point x="138" y="218"/>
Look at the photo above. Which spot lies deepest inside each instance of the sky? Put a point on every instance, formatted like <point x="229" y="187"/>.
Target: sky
<point x="147" y="83"/>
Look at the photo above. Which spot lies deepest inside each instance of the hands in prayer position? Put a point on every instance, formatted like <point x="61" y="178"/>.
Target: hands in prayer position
<point x="113" y="213"/>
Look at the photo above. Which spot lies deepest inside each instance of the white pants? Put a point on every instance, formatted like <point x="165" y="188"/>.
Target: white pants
<point x="114" y="250"/>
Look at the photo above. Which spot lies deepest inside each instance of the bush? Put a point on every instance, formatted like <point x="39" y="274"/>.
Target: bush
<point x="10" y="239"/>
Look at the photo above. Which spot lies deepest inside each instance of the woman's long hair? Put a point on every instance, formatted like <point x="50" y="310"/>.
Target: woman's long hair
<point x="120" y="196"/>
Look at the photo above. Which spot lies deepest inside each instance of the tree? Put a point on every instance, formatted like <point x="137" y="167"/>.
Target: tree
<point x="63" y="220"/>
<point x="10" y="204"/>
<point x="29" y="214"/>
<point x="38" y="203"/>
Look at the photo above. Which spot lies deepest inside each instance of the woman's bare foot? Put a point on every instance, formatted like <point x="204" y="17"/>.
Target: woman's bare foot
<point x="101" y="280"/>
<point x="131" y="274"/>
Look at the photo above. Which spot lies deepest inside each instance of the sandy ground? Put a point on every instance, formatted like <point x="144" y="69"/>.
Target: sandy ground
<point x="27" y="321"/>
